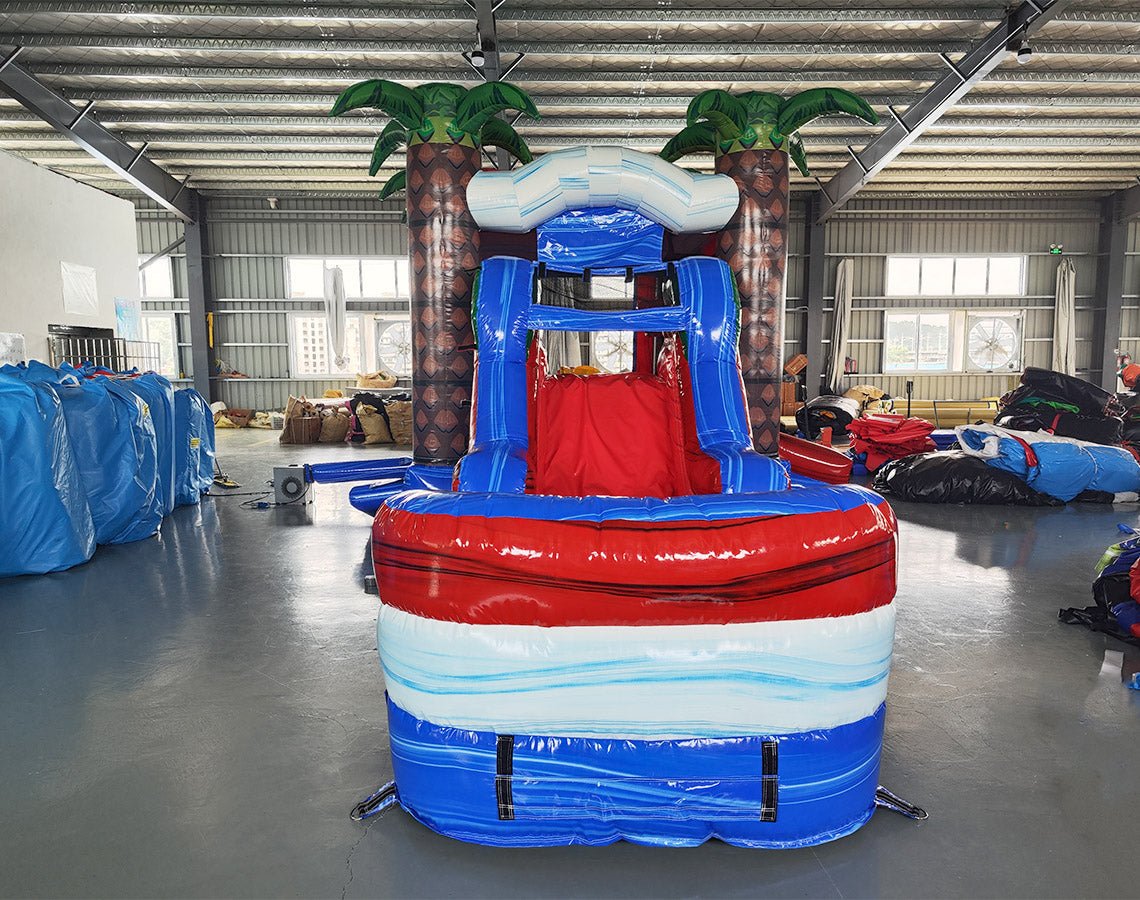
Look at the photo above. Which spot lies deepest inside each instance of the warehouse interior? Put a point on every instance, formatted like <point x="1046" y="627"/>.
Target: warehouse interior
<point x="196" y="713"/>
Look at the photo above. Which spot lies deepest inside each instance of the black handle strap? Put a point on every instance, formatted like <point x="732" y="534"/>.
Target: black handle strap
<point x="504" y="770"/>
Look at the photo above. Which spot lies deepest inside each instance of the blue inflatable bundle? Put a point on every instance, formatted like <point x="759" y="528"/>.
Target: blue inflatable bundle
<point x="115" y="449"/>
<point x="158" y="394"/>
<point x="193" y="447"/>
<point x="1058" y="466"/>
<point x="49" y="524"/>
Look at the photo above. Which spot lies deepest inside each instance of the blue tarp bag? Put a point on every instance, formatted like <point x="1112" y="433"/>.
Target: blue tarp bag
<point x="1062" y="470"/>
<point x="1060" y="467"/>
<point x="1116" y="470"/>
<point x="114" y="446"/>
<point x="193" y="447"/>
<point x="45" y="523"/>
<point x="158" y="394"/>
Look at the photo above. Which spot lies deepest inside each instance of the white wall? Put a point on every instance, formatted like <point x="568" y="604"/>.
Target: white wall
<point x="46" y="219"/>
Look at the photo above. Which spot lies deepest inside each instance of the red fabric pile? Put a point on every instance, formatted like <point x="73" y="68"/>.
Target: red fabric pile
<point x="884" y="436"/>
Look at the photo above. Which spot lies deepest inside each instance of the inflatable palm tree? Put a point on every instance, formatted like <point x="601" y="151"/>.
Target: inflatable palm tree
<point x="751" y="137"/>
<point x="444" y="127"/>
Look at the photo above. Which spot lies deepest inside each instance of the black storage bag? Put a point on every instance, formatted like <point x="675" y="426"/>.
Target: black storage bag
<point x="1094" y="429"/>
<point x="951" y="476"/>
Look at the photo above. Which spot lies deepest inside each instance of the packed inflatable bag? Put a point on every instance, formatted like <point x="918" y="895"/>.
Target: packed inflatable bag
<point x="1057" y="466"/>
<point x="45" y="522"/>
<point x="1116" y="592"/>
<point x="952" y="476"/>
<point x="193" y="447"/>
<point x="1062" y="405"/>
<point x="828" y="411"/>
<point x="114" y="447"/>
<point x="1046" y="385"/>
<point x="1094" y="429"/>
<point x="158" y="394"/>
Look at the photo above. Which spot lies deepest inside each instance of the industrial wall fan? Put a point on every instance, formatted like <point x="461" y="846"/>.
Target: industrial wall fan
<point x="993" y="343"/>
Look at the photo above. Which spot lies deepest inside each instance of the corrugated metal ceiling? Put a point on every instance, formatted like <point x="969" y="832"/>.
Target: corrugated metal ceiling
<point x="234" y="95"/>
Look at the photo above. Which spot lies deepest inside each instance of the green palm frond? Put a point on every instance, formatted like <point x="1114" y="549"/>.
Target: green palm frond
<point x="797" y="111"/>
<point x="798" y="154"/>
<point x="394" y="136"/>
<point x="697" y="138"/>
<point x="440" y="98"/>
<point x="484" y="102"/>
<point x="397" y="101"/>
<point x="727" y="114"/>
<point x="395" y="184"/>
<point x="497" y="133"/>
<point x="763" y="108"/>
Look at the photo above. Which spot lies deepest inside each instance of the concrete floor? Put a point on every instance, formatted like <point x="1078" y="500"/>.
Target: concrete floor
<point x="196" y="714"/>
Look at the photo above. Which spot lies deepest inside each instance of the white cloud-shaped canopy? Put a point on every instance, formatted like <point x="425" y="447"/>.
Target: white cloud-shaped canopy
<point x="585" y="177"/>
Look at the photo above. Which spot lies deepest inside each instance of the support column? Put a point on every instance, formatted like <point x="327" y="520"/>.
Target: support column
<point x="1110" y="285"/>
<point x="814" y="275"/>
<point x="200" y="291"/>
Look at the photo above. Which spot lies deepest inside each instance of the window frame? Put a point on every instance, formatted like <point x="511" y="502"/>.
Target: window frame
<point x="958" y="354"/>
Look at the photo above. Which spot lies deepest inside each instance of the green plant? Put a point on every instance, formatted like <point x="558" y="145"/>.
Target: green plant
<point x="438" y="113"/>
<point x="718" y="122"/>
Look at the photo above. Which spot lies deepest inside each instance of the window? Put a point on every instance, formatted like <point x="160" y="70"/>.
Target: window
<point x="917" y="342"/>
<point x="157" y="279"/>
<point x="961" y="276"/>
<point x="611" y="351"/>
<point x="958" y="340"/>
<point x="309" y="346"/>
<point x="370" y="278"/>
<point x="160" y="328"/>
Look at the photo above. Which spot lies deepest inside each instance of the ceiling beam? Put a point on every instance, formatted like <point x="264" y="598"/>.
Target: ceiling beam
<point x="229" y="98"/>
<point x="1064" y="146"/>
<point x="907" y="127"/>
<point x="132" y="121"/>
<point x="285" y="74"/>
<point x="351" y="45"/>
<point x="380" y="12"/>
<point x="82" y="128"/>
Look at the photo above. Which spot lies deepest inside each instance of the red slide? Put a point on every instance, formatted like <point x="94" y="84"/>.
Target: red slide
<point x="815" y="460"/>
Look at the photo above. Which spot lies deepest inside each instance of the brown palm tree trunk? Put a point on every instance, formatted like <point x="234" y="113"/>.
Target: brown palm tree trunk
<point x="754" y="244"/>
<point x="443" y="246"/>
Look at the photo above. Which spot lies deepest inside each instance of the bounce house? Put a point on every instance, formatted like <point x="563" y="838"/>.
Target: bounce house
<point x="621" y="621"/>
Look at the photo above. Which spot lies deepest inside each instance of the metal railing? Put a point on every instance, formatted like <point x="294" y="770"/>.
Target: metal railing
<point x="116" y="354"/>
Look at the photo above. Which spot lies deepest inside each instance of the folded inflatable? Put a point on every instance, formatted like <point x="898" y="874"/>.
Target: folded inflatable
<point x="115" y="450"/>
<point x="951" y="476"/>
<point x="193" y="447"/>
<point x="1116" y="592"/>
<point x="1057" y="466"/>
<point x="884" y="436"/>
<point x="45" y="522"/>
